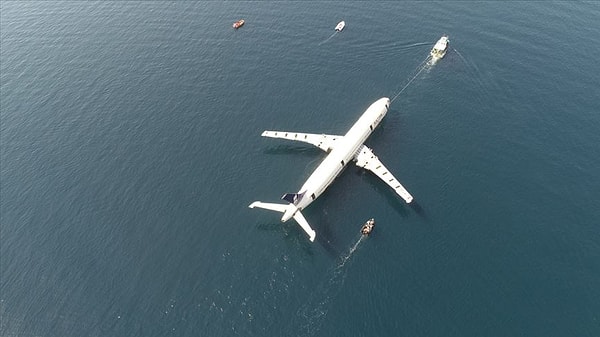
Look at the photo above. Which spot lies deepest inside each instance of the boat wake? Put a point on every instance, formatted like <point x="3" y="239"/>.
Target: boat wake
<point x="329" y="38"/>
<point x="346" y="257"/>
<point x="431" y="62"/>
<point x="411" y="46"/>
<point x="460" y="55"/>
<point x="312" y="314"/>
<point x="484" y="87"/>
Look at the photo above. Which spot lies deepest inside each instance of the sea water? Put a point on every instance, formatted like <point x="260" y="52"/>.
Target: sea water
<point x="130" y="149"/>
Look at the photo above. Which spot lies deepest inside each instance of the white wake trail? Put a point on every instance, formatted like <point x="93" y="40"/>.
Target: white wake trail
<point x="313" y="313"/>
<point x="329" y="38"/>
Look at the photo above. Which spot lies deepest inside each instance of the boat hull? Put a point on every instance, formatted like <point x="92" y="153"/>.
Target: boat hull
<point x="439" y="50"/>
<point x="238" y="24"/>
<point x="367" y="228"/>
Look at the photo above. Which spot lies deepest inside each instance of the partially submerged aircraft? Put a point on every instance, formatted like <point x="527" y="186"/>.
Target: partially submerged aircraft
<point x="341" y="149"/>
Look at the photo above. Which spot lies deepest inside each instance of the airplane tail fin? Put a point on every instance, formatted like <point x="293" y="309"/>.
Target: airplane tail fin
<point x="283" y="209"/>
<point x="293" y="198"/>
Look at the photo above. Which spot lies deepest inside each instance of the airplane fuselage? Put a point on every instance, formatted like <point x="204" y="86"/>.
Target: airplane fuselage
<point x="345" y="150"/>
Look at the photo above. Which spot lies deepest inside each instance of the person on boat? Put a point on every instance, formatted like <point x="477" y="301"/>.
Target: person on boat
<point x="367" y="228"/>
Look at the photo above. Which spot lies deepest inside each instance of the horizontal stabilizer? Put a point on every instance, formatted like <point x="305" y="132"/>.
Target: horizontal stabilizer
<point x="270" y="206"/>
<point x="304" y="224"/>
<point x="283" y="208"/>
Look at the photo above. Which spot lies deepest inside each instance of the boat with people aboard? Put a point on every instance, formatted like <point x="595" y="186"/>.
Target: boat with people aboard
<point x="238" y="24"/>
<point x="439" y="50"/>
<point x="340" y="26"/>
<point x="367" y="228"/>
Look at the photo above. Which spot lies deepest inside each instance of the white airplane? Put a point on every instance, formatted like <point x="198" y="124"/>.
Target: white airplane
<point x="342" y="149"/>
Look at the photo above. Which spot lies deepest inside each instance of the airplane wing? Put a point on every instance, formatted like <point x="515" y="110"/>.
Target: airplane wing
<point x="366" y="159"/>
<point x="322" y="141"/>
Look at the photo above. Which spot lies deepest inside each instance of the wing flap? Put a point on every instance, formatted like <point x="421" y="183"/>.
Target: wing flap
<point x="367" y="160"/>
<point x="322" y="141"/>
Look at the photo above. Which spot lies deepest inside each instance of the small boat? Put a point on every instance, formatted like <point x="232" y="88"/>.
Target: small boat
<point x="238" y="24"/>
<point x="367" y="228"/>
<point x="340" y="26"/>
<point x="439" y="50"/>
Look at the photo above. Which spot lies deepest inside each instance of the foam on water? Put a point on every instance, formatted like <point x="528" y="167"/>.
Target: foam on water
<point x="329" y="38"/>
<point x="312" y="314"/>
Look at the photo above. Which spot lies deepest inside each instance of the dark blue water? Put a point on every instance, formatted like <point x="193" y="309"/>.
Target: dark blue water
<point x="131" y="148"/>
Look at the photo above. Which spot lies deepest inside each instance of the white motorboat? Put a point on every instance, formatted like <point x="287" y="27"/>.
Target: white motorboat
<point x="367" y="228"/>
<point x="340" y="26"/>
<point x="439" y="50"/>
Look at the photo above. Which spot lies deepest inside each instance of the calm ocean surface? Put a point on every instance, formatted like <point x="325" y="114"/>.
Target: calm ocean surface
<point x="130" y="150"/>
